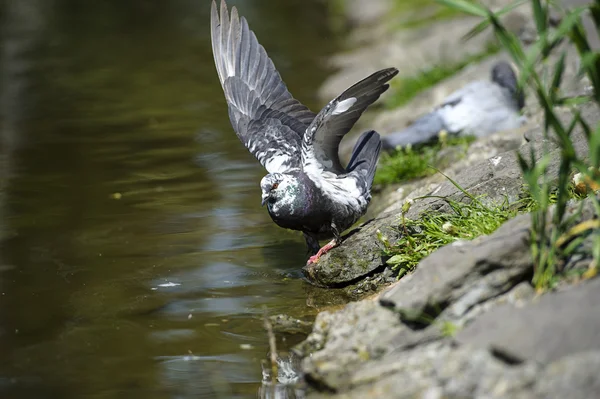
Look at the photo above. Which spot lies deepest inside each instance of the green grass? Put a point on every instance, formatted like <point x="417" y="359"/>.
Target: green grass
<point x="467" y="221"/>
<point x="404" y="89"/>
<point x="409" y="163"/>
<point x="435" y="230"/>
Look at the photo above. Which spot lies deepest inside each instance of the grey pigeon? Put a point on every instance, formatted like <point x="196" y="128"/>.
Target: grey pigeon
<point x="478" y="109"/>
<point x="306" y="188"/>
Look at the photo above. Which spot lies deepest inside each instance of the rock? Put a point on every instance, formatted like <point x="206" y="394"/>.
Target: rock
<point x="465" y="273"/>
<point x="557" y="325"/>
<point x="439" y="371"/>
<point x="573" y="377"/>
<point x="350" y="338"/>
<point x="341" y="268"/>
<point x="285" y="324"/>
<point x="364" y="350"/>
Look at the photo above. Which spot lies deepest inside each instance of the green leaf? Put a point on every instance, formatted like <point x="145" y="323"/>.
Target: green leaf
<point x="480" y="27"/>
<point x="508" y="40"/>
<point x="559" y="70"/>
<point x="396" y="260"/>
<point x="540" y="14"/>
<point x="467" y="7"/>
<point x="568" y="22"/>
<point x="594" y="148"/>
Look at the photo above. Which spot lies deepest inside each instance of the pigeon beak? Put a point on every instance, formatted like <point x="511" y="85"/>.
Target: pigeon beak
<point x="264" y="201"/>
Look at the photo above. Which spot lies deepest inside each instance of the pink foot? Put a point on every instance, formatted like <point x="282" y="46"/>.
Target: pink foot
<point x="322" y="251"/>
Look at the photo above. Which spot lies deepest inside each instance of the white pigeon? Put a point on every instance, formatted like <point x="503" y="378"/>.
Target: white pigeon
<point x="478" y="109"/>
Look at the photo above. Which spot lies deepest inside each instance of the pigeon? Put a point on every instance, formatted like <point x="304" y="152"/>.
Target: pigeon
<point x="306" y="189"/>
<point x="478" y="109"/>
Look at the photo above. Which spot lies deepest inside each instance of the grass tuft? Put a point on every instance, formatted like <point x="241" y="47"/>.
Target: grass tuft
<point x="409" y="163"/>
<point x="435" y="230"/>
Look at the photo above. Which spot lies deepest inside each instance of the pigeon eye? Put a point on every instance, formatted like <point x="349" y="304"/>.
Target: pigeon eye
<point x="275" y="185"/>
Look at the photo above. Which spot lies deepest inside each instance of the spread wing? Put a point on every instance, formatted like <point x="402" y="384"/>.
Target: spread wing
<point x="263" y="113"/>
<point x="322" y="139"/>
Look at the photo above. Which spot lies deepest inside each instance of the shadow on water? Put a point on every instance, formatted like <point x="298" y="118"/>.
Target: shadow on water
<point x="135" y="259"/>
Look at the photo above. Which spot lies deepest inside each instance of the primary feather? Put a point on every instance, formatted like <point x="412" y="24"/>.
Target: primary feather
<point x="263" y="113"/>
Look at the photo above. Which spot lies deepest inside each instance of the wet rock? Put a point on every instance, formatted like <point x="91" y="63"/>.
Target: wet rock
<point x="285" y="324"/>
<point x="360" y="257"/>
<point x="556" y="325"/>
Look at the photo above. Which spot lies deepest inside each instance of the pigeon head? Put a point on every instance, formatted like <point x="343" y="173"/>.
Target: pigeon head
<point x="270" y="186"/>
<point x="504" y="76"/>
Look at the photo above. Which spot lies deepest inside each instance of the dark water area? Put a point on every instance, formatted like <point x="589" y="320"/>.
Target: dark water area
<point x="135" y="259"/>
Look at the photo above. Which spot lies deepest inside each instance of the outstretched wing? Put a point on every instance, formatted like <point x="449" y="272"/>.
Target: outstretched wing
<point x="322" y="139"/>
<point x="263" y="113"/>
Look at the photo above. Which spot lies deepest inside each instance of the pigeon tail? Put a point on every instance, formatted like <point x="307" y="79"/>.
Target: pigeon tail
<point x="364" y="158"/>
<point x="423" y="130"/>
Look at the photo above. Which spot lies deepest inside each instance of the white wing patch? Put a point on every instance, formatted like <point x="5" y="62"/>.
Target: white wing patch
<point x="344" y="106"/>
<point x="276" y="162"/>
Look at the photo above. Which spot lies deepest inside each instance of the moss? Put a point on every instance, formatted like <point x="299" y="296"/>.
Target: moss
<point x="404" y="89"/>
<point x="408" y="163"/>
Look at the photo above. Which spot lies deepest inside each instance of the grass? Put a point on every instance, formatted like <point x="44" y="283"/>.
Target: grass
<point x="404" y="89"/>
<point x="435" y="230"/>
<point x="409" y="163"/>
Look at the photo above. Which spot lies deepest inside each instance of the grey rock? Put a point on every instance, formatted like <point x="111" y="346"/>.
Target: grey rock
<point x="557" y="325"/>
<point x="285" y="324"/>
<point x="573" y="377"/>
<point x="465" y="273"/>
<point x="350" y="338"/>
<point x="437" y="370"/>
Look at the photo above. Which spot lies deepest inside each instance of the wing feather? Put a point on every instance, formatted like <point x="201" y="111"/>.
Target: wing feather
<point x="322" y="139"/>
<point x="268" y="120"/>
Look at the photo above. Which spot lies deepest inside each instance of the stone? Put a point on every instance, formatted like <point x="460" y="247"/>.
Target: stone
<point x="573" y="377"/>
<point x="556" y="325"/>
<point x="465" y="273"/>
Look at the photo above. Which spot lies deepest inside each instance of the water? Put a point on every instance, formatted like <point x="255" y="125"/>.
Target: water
<point x="135" y="259"/>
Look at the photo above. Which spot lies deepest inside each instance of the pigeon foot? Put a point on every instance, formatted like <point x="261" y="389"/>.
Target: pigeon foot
<point x="315" y="258"/>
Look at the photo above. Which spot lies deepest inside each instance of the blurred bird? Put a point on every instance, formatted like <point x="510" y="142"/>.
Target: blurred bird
<point x="306" y="188"/>
<point x="478" y="109"/>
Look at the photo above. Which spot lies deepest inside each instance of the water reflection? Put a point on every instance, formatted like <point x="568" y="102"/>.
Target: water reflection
<point x="135" y="259"/>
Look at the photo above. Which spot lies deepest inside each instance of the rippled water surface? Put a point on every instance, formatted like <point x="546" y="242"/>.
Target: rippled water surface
<point x="135" y="259"/>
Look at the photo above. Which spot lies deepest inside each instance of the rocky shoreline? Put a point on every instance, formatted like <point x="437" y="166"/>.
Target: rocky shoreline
<point x="467" y="322"/>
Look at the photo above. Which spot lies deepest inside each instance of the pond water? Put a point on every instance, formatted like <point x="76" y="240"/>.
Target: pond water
<point x="135" y="259"/>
